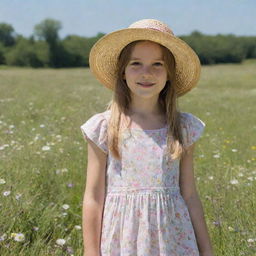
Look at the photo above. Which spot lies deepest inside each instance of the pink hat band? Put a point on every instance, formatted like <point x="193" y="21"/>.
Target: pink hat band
<point x="152" y="24"/>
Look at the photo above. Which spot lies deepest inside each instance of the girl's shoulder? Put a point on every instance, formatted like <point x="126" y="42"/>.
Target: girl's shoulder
<point x="192" y="127"/>
<point x="95" y="128"/>
<point x="186" y="117"/>
<point x="98" y="117"/>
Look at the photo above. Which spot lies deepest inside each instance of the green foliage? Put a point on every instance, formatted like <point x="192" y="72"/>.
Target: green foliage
<point x="25" y="53"/>
<point x="48" y="30"/>
<point x="2" y="52"/>
<point x="79" y="48"/>
<point x="249" y="45"/>
<point x="216" y="49"/>
<point x="7" y="34"/>
<point x="41" y="50"/>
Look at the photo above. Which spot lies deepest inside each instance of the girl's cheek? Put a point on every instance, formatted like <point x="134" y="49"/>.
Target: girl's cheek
<point x="160" y="71"/>
<point x="133" y="71"/>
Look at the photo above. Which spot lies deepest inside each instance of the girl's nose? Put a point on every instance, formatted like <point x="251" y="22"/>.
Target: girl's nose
<point x="146" y="70"/>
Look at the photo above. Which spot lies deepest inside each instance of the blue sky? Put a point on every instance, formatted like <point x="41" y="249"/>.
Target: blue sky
<point x="88" y="17"/>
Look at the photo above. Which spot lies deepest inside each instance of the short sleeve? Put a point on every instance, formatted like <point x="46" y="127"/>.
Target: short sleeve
<point x="192" y="128"/>
<point x="95" y="128"/>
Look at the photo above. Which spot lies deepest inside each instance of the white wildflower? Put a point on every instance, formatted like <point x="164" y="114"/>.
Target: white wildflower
<point x="2" y="181"/>
<point x="46" y="148"/>
<point x="251" y="240"/>
<point x="3" y="237"/>
<point x="4" y="146"/>
<point x="19" y="237"/>
<point x="18" y="196"/>
<point x="6" y="193"/>
<point x="231" y="229"/>
<point x="58" y="171"/>
<point x="60" y="241"/>
<point x="37" y="137"/>
<point x="234" y="181"/>
<point x="65" y="206"/>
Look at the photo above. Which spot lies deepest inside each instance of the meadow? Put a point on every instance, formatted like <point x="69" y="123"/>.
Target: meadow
<point x="43" y="156"/>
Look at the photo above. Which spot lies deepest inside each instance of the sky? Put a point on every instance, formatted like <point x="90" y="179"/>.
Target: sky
<point x="89" y="17"/>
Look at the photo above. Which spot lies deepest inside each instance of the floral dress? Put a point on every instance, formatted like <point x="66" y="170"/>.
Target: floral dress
<point x="144" y="212"/>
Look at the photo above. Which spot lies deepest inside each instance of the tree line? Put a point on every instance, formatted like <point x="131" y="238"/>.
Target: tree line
<point x="44" y="48"/>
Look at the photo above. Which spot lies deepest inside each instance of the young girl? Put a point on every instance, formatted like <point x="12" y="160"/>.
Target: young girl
<point x="140" y="196"/>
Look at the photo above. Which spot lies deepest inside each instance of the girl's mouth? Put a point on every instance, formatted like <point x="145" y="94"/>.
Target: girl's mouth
<point x="145" y="84"/>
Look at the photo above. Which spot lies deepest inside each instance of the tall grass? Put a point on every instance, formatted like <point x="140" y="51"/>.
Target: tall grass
<point x="43" y="156"/>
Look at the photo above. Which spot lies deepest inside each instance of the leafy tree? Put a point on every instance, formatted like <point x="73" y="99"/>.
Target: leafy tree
<point x="76" y="46"/>
<point x="7" y="35"/>
<point x="216" y="49"/>
<point x="2" y="52"/>
<point x="24" y="53"/>
<point x="48" y="30"/>
<point x="42" y="52"/>
<point x="78" y="49"/>
<point x="249" y="45"/>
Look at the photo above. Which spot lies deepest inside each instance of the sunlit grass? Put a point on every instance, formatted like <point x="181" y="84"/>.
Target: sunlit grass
<point x="43" y="156"/>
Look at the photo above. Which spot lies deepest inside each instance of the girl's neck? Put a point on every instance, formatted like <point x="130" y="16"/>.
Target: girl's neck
<point x="145" y="113"/>
<point x="144" y="109"/>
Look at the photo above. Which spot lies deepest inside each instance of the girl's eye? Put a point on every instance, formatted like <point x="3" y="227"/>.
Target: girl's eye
<point x="158" y="64"/>
<point x="135" y="63"/>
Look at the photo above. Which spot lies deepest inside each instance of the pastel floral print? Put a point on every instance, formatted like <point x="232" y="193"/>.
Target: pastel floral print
<point x="144" y="212"/>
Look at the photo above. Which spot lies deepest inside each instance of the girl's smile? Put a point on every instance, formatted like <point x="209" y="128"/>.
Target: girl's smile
<point x="145" y="73"/>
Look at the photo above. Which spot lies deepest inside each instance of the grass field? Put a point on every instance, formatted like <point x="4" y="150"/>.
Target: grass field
<point x="43" y="156"/>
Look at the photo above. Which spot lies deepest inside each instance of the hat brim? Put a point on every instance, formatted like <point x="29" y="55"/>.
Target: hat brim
<point x="105" y="52"/>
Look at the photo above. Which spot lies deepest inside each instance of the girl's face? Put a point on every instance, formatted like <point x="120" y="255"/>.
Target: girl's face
<point x="145" y="73"/>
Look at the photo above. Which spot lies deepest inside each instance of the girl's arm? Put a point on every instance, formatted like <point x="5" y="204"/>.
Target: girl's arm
<point x="191" y="197"/>
<point x="93" y="201"/>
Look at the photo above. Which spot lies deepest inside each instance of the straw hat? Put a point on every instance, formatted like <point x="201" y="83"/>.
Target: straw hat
<point x="105" y="52"/>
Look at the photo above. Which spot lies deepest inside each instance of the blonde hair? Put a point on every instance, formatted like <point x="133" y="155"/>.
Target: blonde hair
<point x="121" y="100"/>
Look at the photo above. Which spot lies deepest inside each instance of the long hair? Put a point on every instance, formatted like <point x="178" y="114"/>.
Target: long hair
<point x="168" y="103"/>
